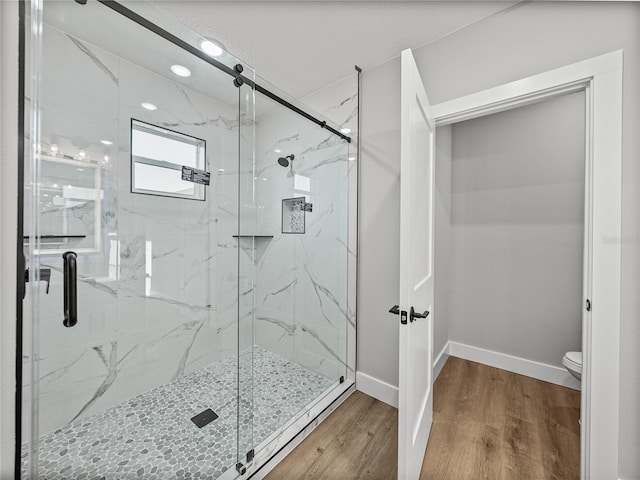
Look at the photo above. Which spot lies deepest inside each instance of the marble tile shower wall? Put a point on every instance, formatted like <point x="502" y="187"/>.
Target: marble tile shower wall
<point x="302" y="307"/>
<point x="339" y="103"/>
<point x="157" y="300"/>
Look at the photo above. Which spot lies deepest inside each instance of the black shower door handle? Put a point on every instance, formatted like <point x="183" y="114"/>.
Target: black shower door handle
<point x="70" y="289"/>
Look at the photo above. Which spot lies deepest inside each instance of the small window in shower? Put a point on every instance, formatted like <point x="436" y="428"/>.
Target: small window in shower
<point x="158" y="156"/>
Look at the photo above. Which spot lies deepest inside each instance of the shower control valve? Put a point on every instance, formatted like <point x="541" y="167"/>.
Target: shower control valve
<point x="45" y="276"/>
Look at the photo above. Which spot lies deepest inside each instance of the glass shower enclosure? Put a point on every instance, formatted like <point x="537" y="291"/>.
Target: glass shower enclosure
<point x="185" y="239"/>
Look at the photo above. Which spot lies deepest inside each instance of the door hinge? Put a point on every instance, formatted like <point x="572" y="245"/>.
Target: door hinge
<point x="588" y="305"/>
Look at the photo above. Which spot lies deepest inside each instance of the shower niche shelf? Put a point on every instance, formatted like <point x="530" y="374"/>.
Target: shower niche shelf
<point x="55" y="239"/>
<point x="253" y="236"/>
<point x="294" y="214"/>
<point x="249" y="243"/>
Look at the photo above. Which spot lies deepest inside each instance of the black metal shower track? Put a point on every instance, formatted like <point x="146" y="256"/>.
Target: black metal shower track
<point x="143" y="22"/>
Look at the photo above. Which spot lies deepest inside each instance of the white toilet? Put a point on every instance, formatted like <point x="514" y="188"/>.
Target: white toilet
<point x="572" y="361"/>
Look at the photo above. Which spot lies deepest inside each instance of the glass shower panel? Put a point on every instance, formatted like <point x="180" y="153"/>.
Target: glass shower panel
<point x="301" y="271"/>
<point x="251" y="243"/>
<point x="146" y="383"/>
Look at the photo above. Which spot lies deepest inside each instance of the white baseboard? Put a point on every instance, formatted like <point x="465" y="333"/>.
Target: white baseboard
<point x="522" y="366"/>
<point x="388" y="393"/>
<point x="377" y="389"/>
<point x="440" y="360"/>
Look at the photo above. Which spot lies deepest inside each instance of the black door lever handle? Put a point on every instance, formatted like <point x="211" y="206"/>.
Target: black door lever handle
<point x="413" y="315"/>
<point x="395" y="310"/>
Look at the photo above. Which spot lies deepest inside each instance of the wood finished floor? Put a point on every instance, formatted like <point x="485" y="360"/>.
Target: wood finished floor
<point x="487" y="424"/>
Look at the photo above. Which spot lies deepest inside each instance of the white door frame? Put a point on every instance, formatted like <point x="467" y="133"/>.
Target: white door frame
<point x="601" y="80"/>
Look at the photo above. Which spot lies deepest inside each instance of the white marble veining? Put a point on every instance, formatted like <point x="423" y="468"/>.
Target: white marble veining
<point x="302" y="279"/>
<point x="345" y="113"/>
<point x="164" y="288"/>
<point x="157" y="296"/>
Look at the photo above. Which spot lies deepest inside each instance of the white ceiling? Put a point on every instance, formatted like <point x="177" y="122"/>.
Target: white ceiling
<point x="303" y="46"/>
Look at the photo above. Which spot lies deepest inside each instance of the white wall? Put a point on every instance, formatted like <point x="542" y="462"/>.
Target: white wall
<point x="379" y="222"/>
<point x="531" y="38"/>
<point x="8" y="209"/>
<point x="517" y="240"/>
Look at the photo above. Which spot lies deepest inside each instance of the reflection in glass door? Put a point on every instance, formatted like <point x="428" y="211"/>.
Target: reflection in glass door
<point x="137" y="168"/>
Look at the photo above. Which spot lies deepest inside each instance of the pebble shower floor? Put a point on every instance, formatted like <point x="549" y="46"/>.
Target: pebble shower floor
<point x="151" y="436"/>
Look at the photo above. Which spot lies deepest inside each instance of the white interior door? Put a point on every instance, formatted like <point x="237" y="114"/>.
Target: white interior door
<point x="417" y="138"/>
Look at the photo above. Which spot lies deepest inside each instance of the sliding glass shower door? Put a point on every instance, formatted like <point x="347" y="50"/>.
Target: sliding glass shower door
<point x="301" y="312"/>
<point x="187" y="253"/>
<point x="139" y="205"/>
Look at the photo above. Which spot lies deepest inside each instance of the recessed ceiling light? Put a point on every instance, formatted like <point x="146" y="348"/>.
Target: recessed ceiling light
<point x="352" y="158"/>
<point x="106" y="158"/>
<point x="345" y="131"/>
<point x="148" y="106"/>
<point x="211" y="48"/>
<point x="181" y="71"/>
<point x="106" y="142"/>
<point x="221" y="169"/>
<point x="80" y="169"/>
<point x="277" y="150"/>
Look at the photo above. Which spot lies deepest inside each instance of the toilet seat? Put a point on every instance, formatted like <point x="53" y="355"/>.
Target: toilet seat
<point x="573" y="361"/>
